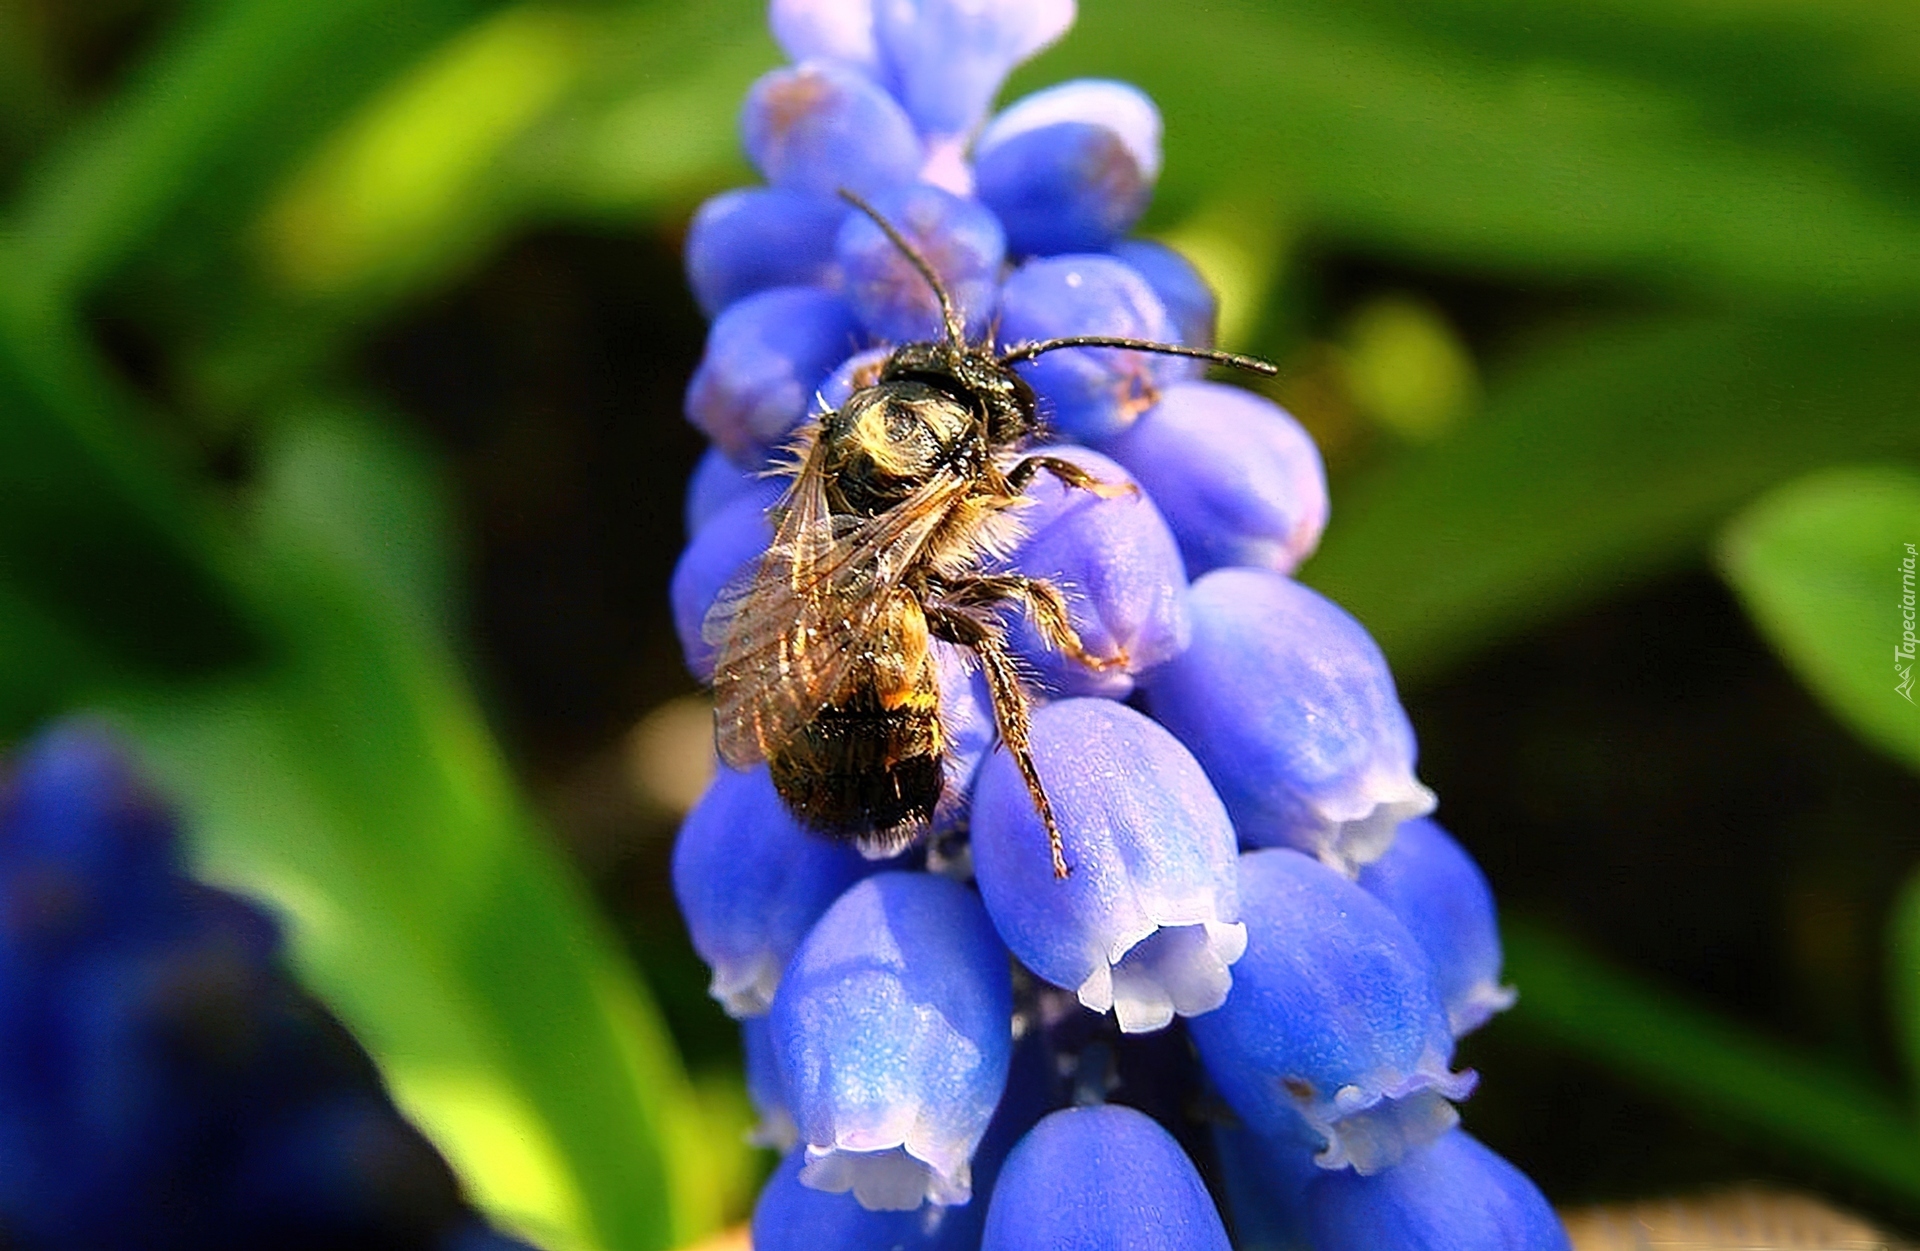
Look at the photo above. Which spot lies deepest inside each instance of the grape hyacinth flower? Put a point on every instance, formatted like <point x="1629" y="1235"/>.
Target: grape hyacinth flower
<point x="163" y="1082"/>
<point x="1245" y="977"/>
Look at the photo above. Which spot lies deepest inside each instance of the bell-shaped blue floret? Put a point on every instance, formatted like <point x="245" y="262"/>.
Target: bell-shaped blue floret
<point x="85" y="847"/>
<point x="856" y="373"/>
<point x="1189" y="301"/>
<point x="1239" y="480"/>
<point x="751" y="883"/>
<point x="947" y="58"/>
<point x="773" y="1124"/>
<point x="1289" y="705"/>
<point x="1071" y="168"/>
<point x="1147" y="925"/>
<point x="1113" y="558"/>
<point x="827" y="30"/>
<point x="727" y="547"/>
<point x="757" y="238"/>
<point x="1089" y="393"/>
<point x="967" y="732"/>
<point x="793" y="1216"/>
<point x="718" y="482"/>
<point x="765" y="356"/>
<point x="820" y="127"/>
<point x="1333" y="1034"/>
<point x="891" y="1028"/>
<point x="1452" y="1195"/>
<point x="958" y="237"/>
<point x="1440" y="895"/>
<point x="1101" y="1179"/>
<point x="1263" y="1186"/>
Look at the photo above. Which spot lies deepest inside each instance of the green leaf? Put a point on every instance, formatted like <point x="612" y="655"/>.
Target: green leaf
<point x="354" y="783"/>
<point x="1550" y="167"/>
<point x="1904" y="970"/>
<point x="1827" y="568"/>
<point x="94" y="531"/>
<point x="237" y="90"/>
<point x="1719" y="1069"/>
<point x="1604" y="461"/>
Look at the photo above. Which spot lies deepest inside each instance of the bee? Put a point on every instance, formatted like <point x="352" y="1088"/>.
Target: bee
<point x="824" y="666"/>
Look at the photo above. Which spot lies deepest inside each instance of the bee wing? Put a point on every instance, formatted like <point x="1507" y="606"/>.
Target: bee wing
<point x="790" y="631"/>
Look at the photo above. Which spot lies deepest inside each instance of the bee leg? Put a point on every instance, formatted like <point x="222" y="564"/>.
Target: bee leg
<point x="1069" y="474"/>
<point x="1043" y="604"/>
<point x="1011" y="714"/>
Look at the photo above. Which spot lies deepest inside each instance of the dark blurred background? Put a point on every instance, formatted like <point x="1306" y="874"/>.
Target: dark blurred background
<point x="1563" y="295"/>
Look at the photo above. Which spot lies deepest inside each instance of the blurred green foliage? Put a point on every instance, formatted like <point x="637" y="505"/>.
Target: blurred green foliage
<point x="268" y="184"/>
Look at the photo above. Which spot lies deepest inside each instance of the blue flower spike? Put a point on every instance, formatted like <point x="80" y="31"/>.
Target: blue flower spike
<point x="1440" y="895"/>
<point x="1289" y="705"/>
<point x="891" y="1029"/>
<point x="1254" y="908"/>
<point x="1118" y="567"/>
<point x="1453" y="1195"/>
<point x="1101" y="1179"/>
<point x="1071" y="168"/>
<point x="1240" y="480"/>
<point x="751" y="883"/>
<point x="1333" y="1034"/>
<point x="1148" y="923"/>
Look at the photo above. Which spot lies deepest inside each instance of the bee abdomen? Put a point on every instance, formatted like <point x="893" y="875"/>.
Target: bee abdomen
<point x="865" y="773"/>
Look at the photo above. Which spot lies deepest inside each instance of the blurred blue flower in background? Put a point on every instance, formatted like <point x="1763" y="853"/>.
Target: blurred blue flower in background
<point x="163" y="1081"/>
<point x="1261" y="999"/>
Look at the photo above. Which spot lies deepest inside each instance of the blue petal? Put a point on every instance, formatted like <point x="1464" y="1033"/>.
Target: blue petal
<point x="947" y="58"/>
<point x="959" y="238"/>
<point x="718" y="482"/>
<point x="751" y="883"/>
<point x="891" y="1027"/>
<point x="1333" y="1034"/>
<point x="724" y="549"/>
<point x="1288" y="704"/>
<point x="1454" y="1195"/>
<point x="84" y="844"/>
<point x="829" y="30"/>
<point x="757" y="238"/>
<point x="1238" y="479"/>
<point x="1147" y="923"/>
<point x="765" y="1088"/>
<point x="1117" y="564"/>
<point x="793" y="1216"/>
<point x="1440" y="895"/>
<point x="1070" y="169"/>
<point x="1101" y="1179"/>
<point x="1263" y="1185"/>
<point x="1089" y="393"/>
<point x="820" y="127"/>
<point x="765" y="356"/>
<point x="1188" y="299"/>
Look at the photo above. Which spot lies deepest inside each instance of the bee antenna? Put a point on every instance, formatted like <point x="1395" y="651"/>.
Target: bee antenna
<point x="1252" y="364"/>
<point x="949" y="316"/>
